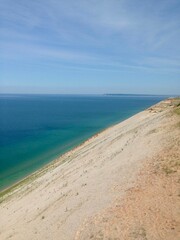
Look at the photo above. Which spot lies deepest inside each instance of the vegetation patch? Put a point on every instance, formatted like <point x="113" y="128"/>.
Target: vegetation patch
<point x="139" y="234"/>
<point x="153" y="131"/>
<point x="171" y="166"/>
<point x="177" y="110"/>
<point x="168" y="170"/>
<point x="176" y="102"/>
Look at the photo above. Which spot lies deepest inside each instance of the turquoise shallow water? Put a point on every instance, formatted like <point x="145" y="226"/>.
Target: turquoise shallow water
<point x="35" y="129"/>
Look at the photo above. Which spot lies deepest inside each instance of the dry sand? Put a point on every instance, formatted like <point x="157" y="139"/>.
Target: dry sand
<point x="120" y="184"/>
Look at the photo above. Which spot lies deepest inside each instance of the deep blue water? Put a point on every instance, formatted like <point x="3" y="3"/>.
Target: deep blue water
<point x="35" y="129"/>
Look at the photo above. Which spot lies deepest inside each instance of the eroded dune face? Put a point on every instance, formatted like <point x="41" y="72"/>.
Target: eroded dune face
<point x="120" y="184"/>
<point x="150" y="209"/>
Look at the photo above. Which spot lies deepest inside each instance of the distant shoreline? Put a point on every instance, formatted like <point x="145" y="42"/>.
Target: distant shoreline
<point x="90" y="94"/>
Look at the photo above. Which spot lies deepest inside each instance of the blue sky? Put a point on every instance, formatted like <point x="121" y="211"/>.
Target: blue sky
<point x="90" y="46"/>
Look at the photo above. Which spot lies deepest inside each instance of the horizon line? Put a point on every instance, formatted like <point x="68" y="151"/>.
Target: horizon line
<point x="104" y="94"/>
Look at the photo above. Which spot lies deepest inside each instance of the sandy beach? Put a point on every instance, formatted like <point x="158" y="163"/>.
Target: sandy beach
<point x="123" y="183"/>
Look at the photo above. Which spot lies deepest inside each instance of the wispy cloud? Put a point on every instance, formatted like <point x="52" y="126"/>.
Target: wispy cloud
<point x="119" y="34"/>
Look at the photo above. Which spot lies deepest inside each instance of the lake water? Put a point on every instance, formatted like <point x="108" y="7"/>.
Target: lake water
<point x="35" y="129"/>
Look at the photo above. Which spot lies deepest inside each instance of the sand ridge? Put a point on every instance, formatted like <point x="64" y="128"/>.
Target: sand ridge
<point x="82" y="188"/>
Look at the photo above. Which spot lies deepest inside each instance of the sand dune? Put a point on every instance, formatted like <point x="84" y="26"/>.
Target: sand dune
<point x="120" y="184"/>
